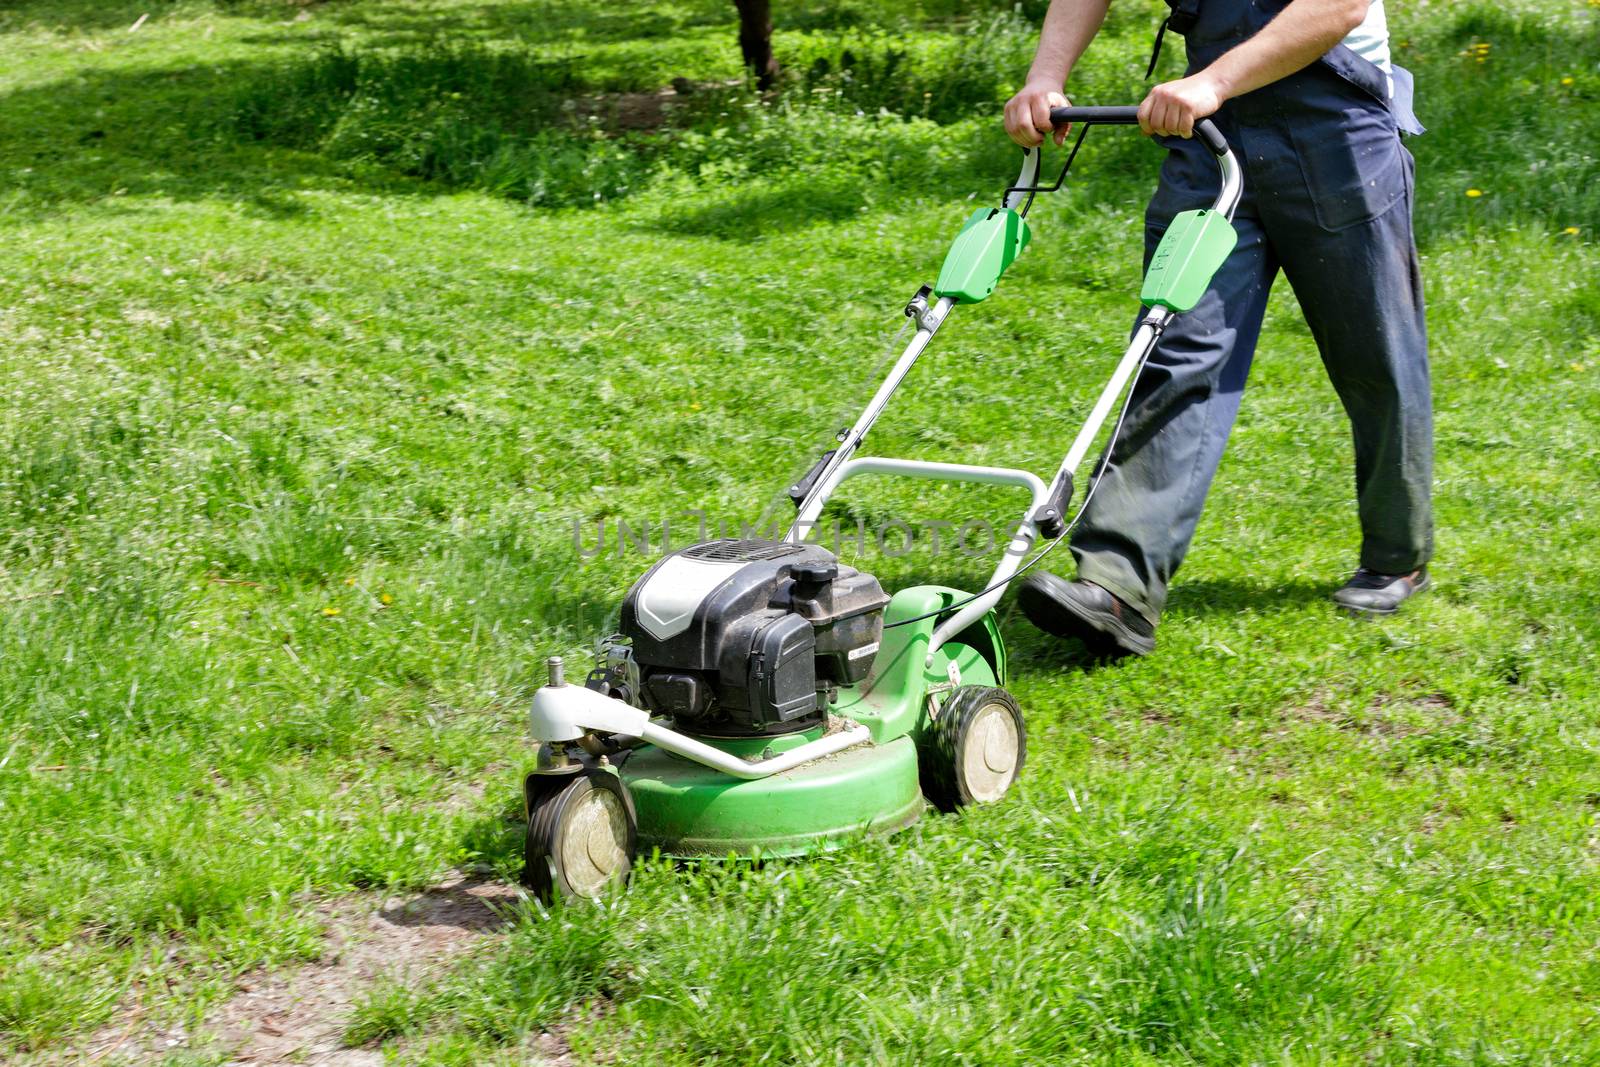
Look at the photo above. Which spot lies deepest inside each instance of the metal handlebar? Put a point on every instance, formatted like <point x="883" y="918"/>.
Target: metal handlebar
<point x="1020" y="196"/>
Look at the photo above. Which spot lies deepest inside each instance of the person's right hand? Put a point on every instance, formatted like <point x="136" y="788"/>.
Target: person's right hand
<point x="1028" y="115"/>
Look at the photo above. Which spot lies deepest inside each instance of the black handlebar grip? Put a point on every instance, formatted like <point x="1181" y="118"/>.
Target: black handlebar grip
<point x="1205" y="129"/>
<point x="1108" y="116"/>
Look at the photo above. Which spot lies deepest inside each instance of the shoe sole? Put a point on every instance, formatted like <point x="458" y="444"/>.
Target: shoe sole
<point x="1383" y="613"/>
<point x="1097" y="631"/>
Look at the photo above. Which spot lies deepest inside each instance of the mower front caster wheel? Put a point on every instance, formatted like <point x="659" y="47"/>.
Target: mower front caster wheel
<point x="581" y="834"/>
<point x="973" y="748"/>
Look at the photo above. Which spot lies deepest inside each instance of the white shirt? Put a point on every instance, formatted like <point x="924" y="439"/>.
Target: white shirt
<point x="1370" y="40"/>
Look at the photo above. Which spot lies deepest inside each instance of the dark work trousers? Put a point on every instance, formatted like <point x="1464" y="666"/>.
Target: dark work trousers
<point x="1327" y="198"/>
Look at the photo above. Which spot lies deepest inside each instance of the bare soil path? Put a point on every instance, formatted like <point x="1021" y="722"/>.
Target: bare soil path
<point x="299" y="1014"/>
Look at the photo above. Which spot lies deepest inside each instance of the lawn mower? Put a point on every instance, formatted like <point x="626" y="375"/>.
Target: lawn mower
<point x="763" y="698"/>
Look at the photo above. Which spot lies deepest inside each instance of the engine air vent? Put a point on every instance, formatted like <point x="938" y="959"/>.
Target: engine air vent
<point x="737" y="550"/>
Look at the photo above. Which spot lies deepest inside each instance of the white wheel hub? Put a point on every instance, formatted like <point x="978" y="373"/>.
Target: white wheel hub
<point x="989" y="754"/>
<point x="593" y="846"/>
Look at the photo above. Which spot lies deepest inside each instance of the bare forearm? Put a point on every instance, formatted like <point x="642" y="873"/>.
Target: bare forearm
<point x="1294" y="39"/>
<point x="1302" y="31"/>
<point x="1069" y="26"/>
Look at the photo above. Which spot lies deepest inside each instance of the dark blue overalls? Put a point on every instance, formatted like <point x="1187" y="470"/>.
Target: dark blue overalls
<point x="1327" y="197"/>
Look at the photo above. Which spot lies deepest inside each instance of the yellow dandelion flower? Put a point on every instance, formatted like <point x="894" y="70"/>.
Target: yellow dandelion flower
<point x="1578" y="366"/>
<point x="1571" y="231"/>
<point x="1474" y="193"/>
<point x="387" y="598"/>
<point x="331" y="611"/>
<point x="1567" y="81"/>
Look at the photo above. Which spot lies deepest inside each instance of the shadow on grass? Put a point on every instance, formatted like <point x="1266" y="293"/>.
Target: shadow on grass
<point x="497" y="839"/>
<point x="173" y="133"/>
<point x="455" y="905"/>
<point x="103" y="136"/>
<point x="61" y="16"/>
<point x="1226" y="596"/>
<point x="1188" y="600"/>
<point x="547" y="22"/>
<point x="1027" y="645"/>
<point x="751" y="214"/>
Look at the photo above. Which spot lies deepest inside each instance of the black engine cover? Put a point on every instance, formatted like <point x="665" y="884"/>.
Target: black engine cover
<point x="747" y="636"/>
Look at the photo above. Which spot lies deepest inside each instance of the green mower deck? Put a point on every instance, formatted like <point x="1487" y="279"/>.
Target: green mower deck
<point x="686" y="809"/>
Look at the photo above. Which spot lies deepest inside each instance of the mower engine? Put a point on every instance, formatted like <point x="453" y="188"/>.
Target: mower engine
<point x="748" y="637"/>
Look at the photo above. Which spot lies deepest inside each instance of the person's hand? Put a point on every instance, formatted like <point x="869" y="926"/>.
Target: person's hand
<point x="1028" y="115"/>
<point x="1172" y="108"/>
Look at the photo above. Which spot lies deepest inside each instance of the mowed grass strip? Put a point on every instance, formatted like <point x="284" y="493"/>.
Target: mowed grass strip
<point x="299" y="434"/>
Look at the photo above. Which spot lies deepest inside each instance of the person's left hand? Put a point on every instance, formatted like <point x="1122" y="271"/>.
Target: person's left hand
<point x="1173" y="108"/>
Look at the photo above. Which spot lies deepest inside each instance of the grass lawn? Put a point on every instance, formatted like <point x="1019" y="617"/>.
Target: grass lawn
<point x="323" y="325"/>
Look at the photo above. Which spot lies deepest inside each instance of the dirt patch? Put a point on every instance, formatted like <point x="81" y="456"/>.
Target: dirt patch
<point x="617" y="112"/>
<point x="1384" y="716"/>
<point x="298" y="1015"/>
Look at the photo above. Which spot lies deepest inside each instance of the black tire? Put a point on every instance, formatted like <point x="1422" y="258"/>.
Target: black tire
<point x="581" y="837"/>
<point x="973" y="748"/>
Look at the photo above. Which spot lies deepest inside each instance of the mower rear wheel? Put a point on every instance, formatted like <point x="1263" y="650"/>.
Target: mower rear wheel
<point x="973" y="748"/>
<point x="581" y="836"/>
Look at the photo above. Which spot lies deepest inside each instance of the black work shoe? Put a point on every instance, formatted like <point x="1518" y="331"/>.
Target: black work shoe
<point x="1370" y="593"/>
<point x="1084" y="610"/>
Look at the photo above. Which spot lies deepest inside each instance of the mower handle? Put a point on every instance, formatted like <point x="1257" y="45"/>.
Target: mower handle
<point x="1205" y="129"/>
<point x="1019" y="197"/>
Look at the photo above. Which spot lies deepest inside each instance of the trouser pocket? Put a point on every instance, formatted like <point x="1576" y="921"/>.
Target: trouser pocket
<point x="1353" y="163"/>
